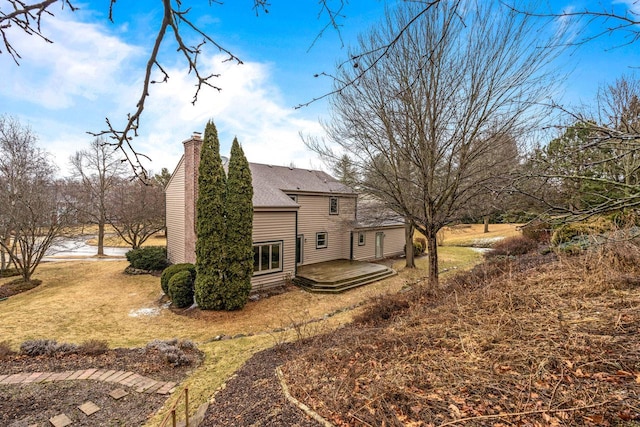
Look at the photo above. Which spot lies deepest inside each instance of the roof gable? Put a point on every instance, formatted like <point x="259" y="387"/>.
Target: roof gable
<point x="271" y="184"/>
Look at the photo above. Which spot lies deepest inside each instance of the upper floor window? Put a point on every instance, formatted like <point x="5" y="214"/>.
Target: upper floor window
<point x="333" y="206"/>
<point x="321" y="240"/>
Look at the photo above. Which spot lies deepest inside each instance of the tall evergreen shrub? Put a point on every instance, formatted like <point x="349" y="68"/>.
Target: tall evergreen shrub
<point x="210" y="224"/>
<point x="239" y="225"/>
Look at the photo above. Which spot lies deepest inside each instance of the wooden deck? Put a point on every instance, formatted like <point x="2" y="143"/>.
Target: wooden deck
<point x="340" y="275"/>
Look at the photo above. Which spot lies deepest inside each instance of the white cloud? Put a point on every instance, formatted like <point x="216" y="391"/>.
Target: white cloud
<point x="248" y="107"/>
<point x="67" y="88"/>
<point x="83" y="64"/>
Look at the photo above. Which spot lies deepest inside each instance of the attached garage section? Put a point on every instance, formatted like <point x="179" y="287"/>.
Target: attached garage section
<point x="377" y="242"/>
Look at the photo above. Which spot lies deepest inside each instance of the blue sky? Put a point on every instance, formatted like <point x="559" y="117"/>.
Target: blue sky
<point x="94" y="68"/>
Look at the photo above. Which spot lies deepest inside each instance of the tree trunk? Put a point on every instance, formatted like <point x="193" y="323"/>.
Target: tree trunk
<point x="5" y="263"/>
<point x="486" y="223"/>
<point x="101" y="237"/>
<point x="408" y="245"/>
<point x="432" y="247"/>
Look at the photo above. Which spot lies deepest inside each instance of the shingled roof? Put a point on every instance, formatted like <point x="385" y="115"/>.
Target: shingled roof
<point x="271" y="184"/>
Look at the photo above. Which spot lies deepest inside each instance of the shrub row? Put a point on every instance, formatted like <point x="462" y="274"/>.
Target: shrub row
<point x="44" y="347"/>
<point x="150" y="258"/>
<point x="177" y="282"/>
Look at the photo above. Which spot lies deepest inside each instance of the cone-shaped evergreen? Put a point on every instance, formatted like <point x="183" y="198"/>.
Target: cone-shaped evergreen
<point x="210" y="224"/>
<point x="239" y="220"/>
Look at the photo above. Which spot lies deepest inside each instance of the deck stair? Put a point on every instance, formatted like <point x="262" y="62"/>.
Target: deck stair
<point x="340" y="275"/>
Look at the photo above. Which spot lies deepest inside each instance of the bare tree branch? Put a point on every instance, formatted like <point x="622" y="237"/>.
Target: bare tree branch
<point x="378" y="53"/>
<point x="626" y="22"/>
<point x="26" y="17"/>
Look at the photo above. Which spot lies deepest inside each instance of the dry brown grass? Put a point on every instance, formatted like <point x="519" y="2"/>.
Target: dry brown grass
<point x="474" y="235"/>
<point x="79" y="301"/>
<point x="558" y="344"/>
<point x="94" y="300"/>
<point x="115" y="241"/>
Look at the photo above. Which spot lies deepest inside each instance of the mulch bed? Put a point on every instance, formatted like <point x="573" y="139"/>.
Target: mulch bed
<point x="24" y="405"/>
<point x="254" y="397"/>
<point x="17" y="286"/>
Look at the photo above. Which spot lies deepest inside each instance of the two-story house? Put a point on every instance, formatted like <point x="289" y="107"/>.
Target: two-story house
<point x="300" y="217"/>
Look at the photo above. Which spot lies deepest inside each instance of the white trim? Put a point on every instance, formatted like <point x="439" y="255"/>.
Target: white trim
<point x="272" y="244"/>
<point x="326" y="240"/>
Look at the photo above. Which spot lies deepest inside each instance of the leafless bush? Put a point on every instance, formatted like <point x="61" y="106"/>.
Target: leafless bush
<point x="516" y="245"/>
<point x="44" y="347"/>
<point x="93" y="347"/>
<point x="5" y="349"/>
<point x="538" y="230"/>
<point x="66" y="348"/>
<point x="38" y="347"/>
<point x="382" y="310"/>
<point x="479" y="275"/>
<point x="173" y="351"/>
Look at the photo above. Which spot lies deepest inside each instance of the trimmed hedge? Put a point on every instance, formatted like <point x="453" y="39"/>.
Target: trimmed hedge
<point x="168" y="273"/>
<point x="148" y="258"/>
<point x="181" y="289"/>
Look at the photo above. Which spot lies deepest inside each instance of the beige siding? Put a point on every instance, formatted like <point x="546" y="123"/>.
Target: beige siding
<point x="275" y="227"/>
<point x="392" y="244"/>
<point x="313" y="217"/>
<point x="175" y="216"/>
<point x="393" y="241"/>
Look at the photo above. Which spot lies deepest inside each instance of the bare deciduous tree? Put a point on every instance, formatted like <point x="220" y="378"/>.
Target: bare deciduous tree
<point x="137" y="210"/>
<point x="421" y="124"/>
<point x="593" y="167"/>
<point x="619" y="17"/>
<point x="32" y="212"/>
<point x="97" y="172"/>
<point x="27" y="16"/>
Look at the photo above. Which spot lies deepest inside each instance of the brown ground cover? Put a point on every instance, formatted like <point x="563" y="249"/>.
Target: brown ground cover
<point x="254" y="397"/>
<point x="17" y="286"/>
<point x="526" y="341"/>
<point x="541" y="344"/>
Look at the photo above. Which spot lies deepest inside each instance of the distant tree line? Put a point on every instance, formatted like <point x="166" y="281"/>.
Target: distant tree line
<point x="39" y="209"/>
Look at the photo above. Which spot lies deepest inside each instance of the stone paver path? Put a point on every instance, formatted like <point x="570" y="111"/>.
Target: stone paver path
<point x="139" y="383"/>
<point x="89" y="408"/>
<point x="60" y="421"/>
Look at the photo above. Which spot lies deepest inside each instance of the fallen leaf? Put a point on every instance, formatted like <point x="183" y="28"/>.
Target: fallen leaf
<point x="596" y="419"/>
<point x="454" y="411"/>
<point x="625" y="415"/>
